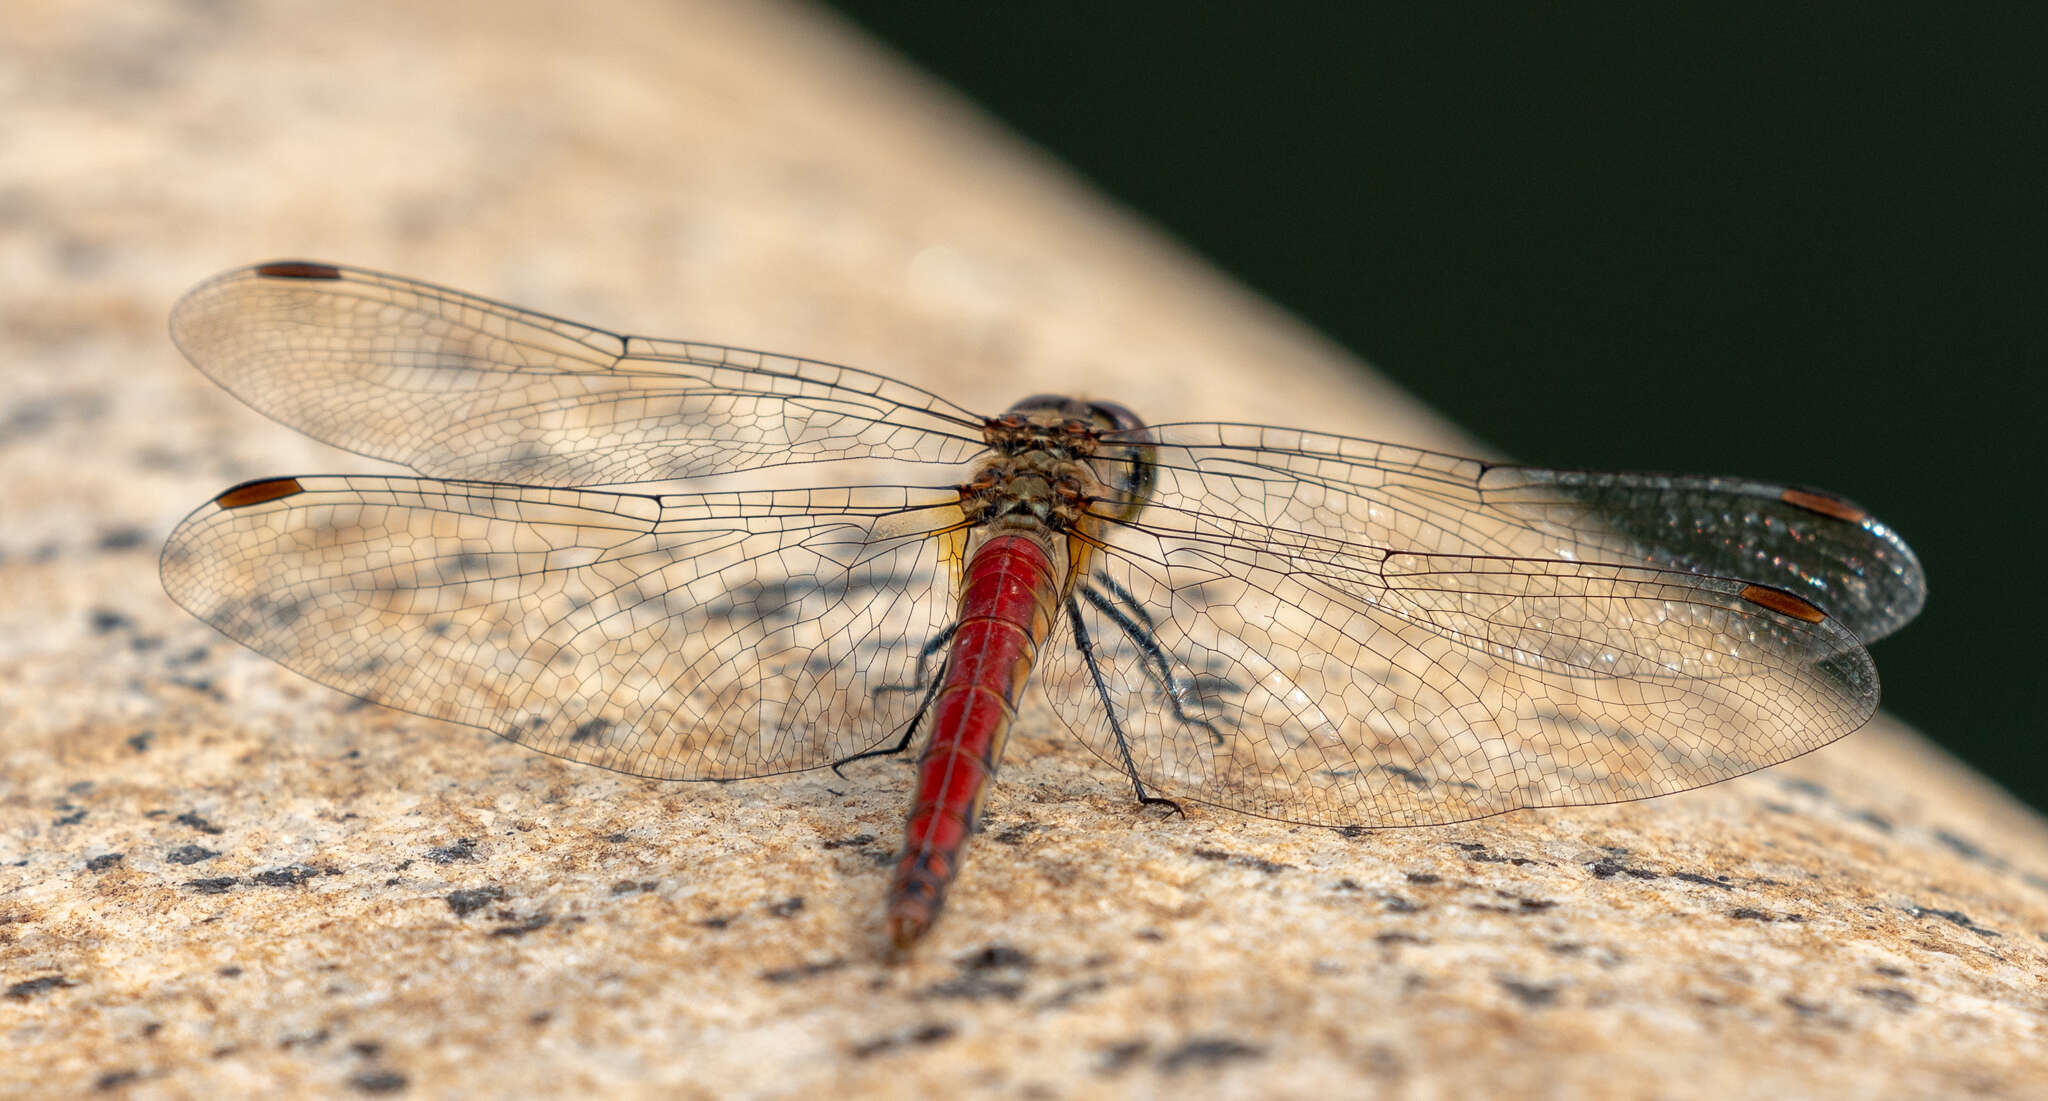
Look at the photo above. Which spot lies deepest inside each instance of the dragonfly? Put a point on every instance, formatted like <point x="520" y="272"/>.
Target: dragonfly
<point x="1298" y="625"/>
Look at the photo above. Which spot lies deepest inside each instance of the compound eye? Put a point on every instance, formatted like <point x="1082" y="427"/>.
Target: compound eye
<point x="1111" y="417"/>
<point x="1057" y="403"/>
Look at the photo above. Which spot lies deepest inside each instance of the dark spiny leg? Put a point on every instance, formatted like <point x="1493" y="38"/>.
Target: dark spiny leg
<point x="903" y="743"/>
<point x="1116" y="726"/>
<point x="932" y="647"/>
<point x="928" y="685"/>
<point x="1156" y="666"/>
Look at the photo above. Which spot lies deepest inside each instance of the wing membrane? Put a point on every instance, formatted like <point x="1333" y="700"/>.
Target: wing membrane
<point x="1357" y="491"/>
<point x="1310" y="627"/>
<point x="461" y="387"/>
<point x="680" y="637"/>
<point x="1296" y="679"/>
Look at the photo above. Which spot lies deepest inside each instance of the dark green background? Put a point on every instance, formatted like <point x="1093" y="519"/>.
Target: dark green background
<point x="1797" y="242"/>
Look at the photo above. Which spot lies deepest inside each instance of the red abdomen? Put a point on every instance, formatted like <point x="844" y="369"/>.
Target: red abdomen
<point x="1007" y="604"/>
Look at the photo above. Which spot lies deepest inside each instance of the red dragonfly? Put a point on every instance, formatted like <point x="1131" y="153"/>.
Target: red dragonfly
<point x="1307" y="627"/>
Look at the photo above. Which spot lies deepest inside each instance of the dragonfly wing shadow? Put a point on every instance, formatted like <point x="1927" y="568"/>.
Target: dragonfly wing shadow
<point x="1179" y="693"/>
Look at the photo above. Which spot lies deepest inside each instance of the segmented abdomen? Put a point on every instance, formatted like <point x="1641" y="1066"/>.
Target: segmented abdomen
<point x="1007" y="604"/>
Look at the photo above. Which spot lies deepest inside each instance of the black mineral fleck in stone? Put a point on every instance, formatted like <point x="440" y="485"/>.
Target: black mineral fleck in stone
<point x="378" y="1081"/>
<point x="195" y="822"/>
<point x="469" y="901"/>
<point x="29" y="988"/>
<point x="1206" y="1051"/>
<point x="463" y="850"/>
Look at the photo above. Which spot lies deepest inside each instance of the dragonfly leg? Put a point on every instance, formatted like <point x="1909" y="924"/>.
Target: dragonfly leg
<point x="926" y="677"/>
<point x="1132" y="619"/>
<point x="1116" y="726"/>
<point x="927" y="682"/>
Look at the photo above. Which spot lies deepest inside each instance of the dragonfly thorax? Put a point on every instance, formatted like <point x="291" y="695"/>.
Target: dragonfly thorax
<point x="1041" y="485"/>
<point x="1048" y="463"/>
<point x="1058" y="459"/>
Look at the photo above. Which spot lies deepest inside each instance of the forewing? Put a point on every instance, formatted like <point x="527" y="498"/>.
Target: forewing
<point x="684" y="637"/>
<point x="1308" y="680"/>
<point x="456" y="386"/>
<point x="1821" y="547"/>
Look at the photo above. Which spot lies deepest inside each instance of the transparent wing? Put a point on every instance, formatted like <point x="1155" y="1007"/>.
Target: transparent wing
<point x="456" y="386"/>
<point x="1317" y="681"/>
<point x="1821" y="547"/>
<point x="1311" y="627"/>
<point x="680" y="637"/>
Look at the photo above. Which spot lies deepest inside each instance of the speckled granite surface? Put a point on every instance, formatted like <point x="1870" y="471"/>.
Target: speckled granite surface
<point x="217" y="878"/>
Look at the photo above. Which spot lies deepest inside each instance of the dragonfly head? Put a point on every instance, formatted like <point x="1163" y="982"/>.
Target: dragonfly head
<point x="1053" y="409"/>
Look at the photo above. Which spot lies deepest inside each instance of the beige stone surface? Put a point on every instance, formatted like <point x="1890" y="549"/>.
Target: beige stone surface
<point x="219" y="879"/>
